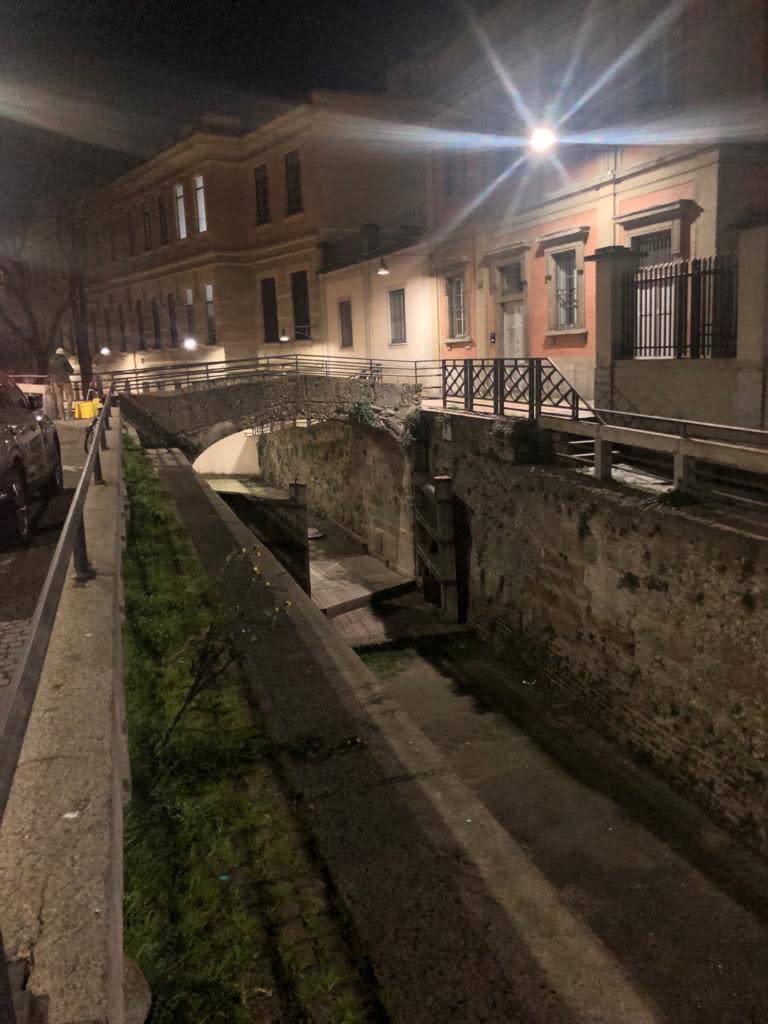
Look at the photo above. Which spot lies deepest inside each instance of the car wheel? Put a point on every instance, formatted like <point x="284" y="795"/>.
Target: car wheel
<point x="19" y="511"/>
<point x="55" y="483"/>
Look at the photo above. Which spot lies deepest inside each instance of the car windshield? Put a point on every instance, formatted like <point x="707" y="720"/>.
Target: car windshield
<point x="11" y="397"/>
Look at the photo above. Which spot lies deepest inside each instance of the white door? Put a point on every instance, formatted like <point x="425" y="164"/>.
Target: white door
<point x="513" y="327"/>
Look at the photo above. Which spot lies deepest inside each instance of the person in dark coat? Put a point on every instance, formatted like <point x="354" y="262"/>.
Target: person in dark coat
<point x="60" y="370"/>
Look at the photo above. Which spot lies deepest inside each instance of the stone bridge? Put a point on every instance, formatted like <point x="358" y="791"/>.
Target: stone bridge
<point x="194" y="418"/>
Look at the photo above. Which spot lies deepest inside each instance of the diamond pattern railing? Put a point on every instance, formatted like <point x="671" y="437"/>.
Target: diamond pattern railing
<point x="501" y="387"/>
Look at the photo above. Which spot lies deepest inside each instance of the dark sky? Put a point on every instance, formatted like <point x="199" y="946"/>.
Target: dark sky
<point x="113" y="81"/>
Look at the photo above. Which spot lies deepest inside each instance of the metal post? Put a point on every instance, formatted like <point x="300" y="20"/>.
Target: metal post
<point x="102" y="438"/>
<point x="98" y="477"/>
<point x="498" y="387"/>
<point x="468" y="384"/>
<point x="445" y="383"/>
<point x="531" y="389"/>
<point x="83" y="570"/>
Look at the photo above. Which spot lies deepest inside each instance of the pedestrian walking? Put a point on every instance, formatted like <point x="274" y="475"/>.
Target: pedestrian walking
<point x="60" y="370"/>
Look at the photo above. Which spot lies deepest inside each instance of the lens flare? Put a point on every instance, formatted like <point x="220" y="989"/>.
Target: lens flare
<point x="542" y="139"/>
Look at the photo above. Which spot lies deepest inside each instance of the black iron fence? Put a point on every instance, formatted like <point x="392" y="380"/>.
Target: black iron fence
<point x="522" y="387"/>
<point x="16" y="707"/>
<point x="685" y="309"/>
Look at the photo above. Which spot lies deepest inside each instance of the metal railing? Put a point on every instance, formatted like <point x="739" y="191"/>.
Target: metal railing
<point x="16" y="709"/>
<point x="501" y="387"/>
<point x="685" y="309"/>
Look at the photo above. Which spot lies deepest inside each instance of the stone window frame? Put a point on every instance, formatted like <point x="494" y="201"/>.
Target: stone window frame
<point x="568" y="240"/>
<point x="664" y="217"/>
<point x="447" y="271"/>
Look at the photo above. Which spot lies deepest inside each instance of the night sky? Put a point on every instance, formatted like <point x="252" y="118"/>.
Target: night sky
<point x="119" y="80"/>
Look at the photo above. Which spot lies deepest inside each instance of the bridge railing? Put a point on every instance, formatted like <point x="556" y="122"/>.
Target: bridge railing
<point x="16" y="707"/>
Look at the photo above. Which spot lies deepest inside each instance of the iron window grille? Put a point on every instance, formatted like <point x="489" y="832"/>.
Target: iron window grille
<point x="181" y="211"/>
<point x="457" y="316"/>
<point x="156" y="324"/>
<point x="173" y="327"/>
<point x="511" y="279"/>
<point x="210" y="314"/>
<point x="566" y="290"/>
<point x="190" y="312"/>
<point x="300" y="298"/>
<point x="269" y="310"/>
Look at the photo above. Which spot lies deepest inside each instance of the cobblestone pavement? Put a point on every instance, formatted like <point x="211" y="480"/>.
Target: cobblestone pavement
<point x="12" y="637"/>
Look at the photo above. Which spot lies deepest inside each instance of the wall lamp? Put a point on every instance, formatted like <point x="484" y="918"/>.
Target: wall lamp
<point x="383" y="269"/>
<point x="189" y="344"/>
<point x="284" y="334"/>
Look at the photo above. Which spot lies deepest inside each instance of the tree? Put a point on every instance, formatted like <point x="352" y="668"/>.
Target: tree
<point x="41" y="283"/>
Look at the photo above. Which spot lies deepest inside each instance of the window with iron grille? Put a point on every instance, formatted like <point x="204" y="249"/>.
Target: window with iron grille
<point x="147" y="221"/>
<point x="300" y="299"/>
<point x="656" y="246"/>
<point x="294" y="199"/>
<point x="345" y="323"/>
<point x="269" y="310"/>
<point x="566" y="290"/>
<point x="261" y="185"/>
<point x="162" y="216"/>
<point x="397" y="316"/>
<point x="190" y="303"/>
<point x="173" y="327"/>
<point x="511" y="277"/>
<point x="202" y="218"/>
<point x="142" y="343"/>
<point x="210" y="314"/>
<point x="181" y="211"/>
<point x="457" y="316"/>
<point x="156" y="324"/>
<point x="123" y="336"/>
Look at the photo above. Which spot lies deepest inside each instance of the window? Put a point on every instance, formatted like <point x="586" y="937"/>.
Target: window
<point x="454" y="170"/>
<point x="147" y="220"/>
<point x="173" y="327"/>
<point x="130" y="234"/>
<point x="269" y="309"/>
<point x="156" y="324"/>
<point x="190" y="312"/>
<point x="294" y="201"/>
<point x="261" y="184"/>
<point x="162" y="216"/>
<point x="457" y="315"/>
<point x="300" y="299"/>
<point x="345" y="323"/>
<point x="210" y="314"/>
<point x="202" y="220"/>
<point x="107" y="327"/>
<point x="123" y="336"/>
<point x="397" y="316"/>
<point x="656" y="246"/>
<point x="140" y="326"/>
<point x="566" y="290"/>
<point x="181" y="212"/>
<point x="11" y="396"/>
<point x="511" y="279"/>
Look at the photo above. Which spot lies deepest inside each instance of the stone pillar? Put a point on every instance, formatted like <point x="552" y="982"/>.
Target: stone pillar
<point x="603" y="460"/>
<point x="612" y="262"/>
<point x="683" y="472"/>
<point x="752" y="325"/>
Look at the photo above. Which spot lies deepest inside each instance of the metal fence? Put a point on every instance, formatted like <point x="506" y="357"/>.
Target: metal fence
<point x="685" y="309"/>
<point x="499" y="387"/>
<point x="16" y="709"/>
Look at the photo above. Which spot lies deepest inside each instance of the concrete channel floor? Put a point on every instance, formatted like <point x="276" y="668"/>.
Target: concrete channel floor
<point x="484" y="882"/>
<point x="698" y="952"/>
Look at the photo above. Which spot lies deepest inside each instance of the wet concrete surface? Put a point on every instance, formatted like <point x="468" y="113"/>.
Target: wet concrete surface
<point x="686" y="940"/>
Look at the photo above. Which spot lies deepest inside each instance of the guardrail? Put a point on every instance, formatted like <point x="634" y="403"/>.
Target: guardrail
<point x="15" y="712"/>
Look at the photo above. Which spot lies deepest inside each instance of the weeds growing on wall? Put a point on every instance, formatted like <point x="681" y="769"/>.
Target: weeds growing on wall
<point x="212" y="852"/>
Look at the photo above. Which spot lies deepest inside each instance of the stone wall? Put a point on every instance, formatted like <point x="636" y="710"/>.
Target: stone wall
<point x="653" y="619"/>
<point x="356" y="476"/>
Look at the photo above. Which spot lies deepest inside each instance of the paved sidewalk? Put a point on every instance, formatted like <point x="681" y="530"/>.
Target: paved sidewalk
<point x="12" y="637"/>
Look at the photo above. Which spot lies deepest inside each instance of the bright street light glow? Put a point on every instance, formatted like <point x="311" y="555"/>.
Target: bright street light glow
<point x="104" y="351"/>
<point x="542" y="139"/>
<point x="190" y="344"/>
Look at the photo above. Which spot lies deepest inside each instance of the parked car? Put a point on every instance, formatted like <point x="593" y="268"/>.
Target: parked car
<point x="30" y="459"/>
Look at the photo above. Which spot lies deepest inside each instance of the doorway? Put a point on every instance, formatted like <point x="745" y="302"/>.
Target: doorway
<point x="513" y="329"/>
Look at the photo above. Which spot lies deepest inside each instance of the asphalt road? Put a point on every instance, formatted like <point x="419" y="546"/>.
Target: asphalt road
<point x="22" y="570"/>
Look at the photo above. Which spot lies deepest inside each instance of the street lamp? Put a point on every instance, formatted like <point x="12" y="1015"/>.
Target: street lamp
<point x="542" y="139"/>
<point x="189" y="344"/>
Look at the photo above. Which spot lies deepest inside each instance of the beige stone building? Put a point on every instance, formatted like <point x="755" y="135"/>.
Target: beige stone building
<point x="211" y="249"/>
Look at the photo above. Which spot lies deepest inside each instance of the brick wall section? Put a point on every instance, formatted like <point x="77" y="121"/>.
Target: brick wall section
<point x="13" y="634"/>
<point x="355" y="475"/>
<point x="653" y="619"/>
